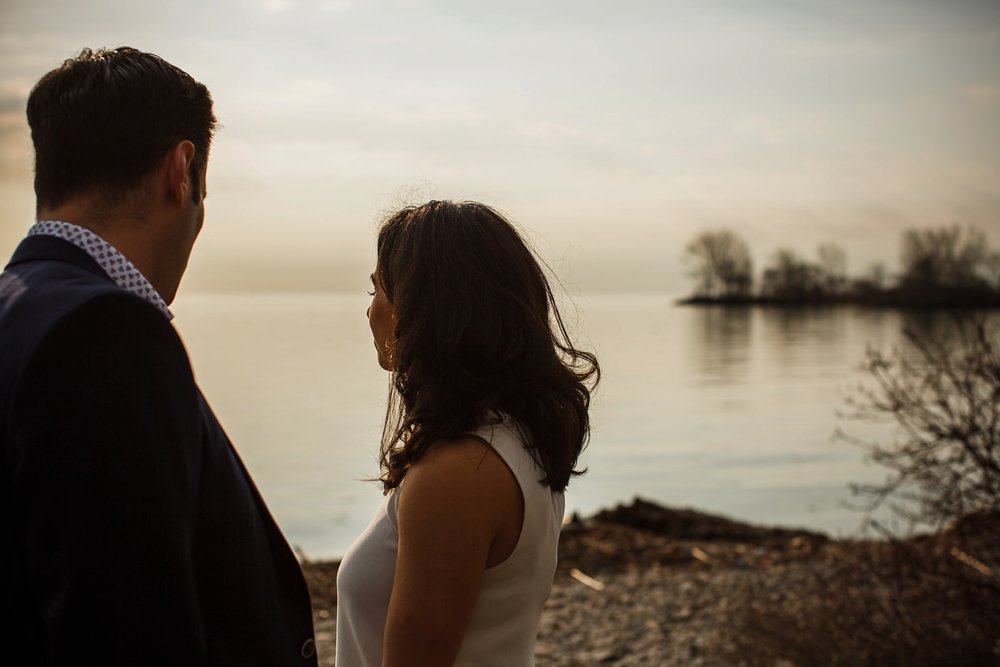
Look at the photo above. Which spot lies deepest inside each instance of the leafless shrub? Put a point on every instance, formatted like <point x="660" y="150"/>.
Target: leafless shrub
<point x="943" y="395"/>
<point x="929" y="596"/>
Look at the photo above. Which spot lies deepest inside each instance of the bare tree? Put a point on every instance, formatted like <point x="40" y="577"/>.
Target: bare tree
<point x="790" y="277"/>
<point x="870" y="284"/>
<point x="944" y="397"/>
<point x="951" y="257"/>
<point x="722" y="264"/>
<point x="992" y="269"/>
<point x="914" y="600"/>
<point x="833" y="264"/>
<point x="876" y="275"/>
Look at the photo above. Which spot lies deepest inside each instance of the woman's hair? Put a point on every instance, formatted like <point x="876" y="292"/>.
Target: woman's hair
<point x="477" y="333"/>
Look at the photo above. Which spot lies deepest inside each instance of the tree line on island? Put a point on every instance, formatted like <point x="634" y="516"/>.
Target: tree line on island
<point x="951" y="266"/>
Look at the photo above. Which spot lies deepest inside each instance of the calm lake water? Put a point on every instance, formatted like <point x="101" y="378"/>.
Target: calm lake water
<point x="724" y="410"/>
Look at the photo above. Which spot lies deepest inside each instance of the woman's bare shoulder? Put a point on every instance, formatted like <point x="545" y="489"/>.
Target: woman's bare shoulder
<point x="466" y="461"/>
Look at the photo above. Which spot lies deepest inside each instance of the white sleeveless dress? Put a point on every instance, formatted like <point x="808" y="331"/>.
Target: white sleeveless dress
<point x="504" y="621"/>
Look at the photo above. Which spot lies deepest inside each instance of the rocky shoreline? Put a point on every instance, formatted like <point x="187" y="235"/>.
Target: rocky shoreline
<point x="644" y="585"/>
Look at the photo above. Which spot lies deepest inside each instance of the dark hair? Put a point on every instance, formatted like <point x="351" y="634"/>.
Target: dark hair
<point x="477" y="333"/>
<point x="102" y="122"/>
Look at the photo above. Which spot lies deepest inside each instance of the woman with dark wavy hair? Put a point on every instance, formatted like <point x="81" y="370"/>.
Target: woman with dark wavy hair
<point x="488" y="413"/>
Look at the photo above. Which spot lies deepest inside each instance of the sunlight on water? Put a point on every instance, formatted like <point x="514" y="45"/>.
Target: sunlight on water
<point x="725" y="410"/>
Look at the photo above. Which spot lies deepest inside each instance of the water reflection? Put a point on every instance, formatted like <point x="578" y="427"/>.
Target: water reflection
<point x="722" y="339"/>
<point x="939" y="325"/>
<point x="797" y="339"/>
<point x="726" y="409"/>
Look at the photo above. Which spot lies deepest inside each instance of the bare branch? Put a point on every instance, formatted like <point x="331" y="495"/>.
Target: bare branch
<point x="944" y="397"/>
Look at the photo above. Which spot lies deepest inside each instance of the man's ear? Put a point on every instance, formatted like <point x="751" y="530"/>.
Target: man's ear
<point x="179" y="183"/>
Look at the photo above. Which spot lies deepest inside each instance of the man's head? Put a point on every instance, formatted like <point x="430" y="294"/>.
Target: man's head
<point x="104" y="120"/>
<point x="120" y="134"/>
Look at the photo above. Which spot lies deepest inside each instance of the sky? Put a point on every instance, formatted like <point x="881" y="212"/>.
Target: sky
<point x="612" y="132"/>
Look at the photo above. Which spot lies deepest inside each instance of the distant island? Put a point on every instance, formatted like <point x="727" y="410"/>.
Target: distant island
<point x="946" y="267"/>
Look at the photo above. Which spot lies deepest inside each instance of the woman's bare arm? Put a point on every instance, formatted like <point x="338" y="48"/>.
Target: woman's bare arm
<point x="455" y="503"/>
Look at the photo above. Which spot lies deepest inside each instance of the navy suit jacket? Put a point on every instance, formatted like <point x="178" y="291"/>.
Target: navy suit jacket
<point x="135" y="535"/>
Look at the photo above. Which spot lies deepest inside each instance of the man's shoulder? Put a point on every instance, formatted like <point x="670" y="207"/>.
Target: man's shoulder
<point x="49" y="277"/>
<point x="39" y="292"/>
<point x="41" y="296"/>
<point x="71" y="307"/>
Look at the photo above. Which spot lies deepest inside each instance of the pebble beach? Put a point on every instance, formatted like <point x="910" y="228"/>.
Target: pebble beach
<point x="643" y="585"/>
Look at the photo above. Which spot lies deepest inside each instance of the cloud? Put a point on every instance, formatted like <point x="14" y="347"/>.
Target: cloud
<point x="858" y="48"/>
<point x="278" y="6"/>
<point x="987" y="93"/>
<point x="388" y="40"/>
<point x="11" y="104"/>
<point x="13" y="126"/>
<point x="989" y="38"/>
<point x="336" y="6"/>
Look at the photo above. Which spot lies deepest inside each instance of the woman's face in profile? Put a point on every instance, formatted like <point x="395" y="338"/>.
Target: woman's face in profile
<point x="382" y="321"/>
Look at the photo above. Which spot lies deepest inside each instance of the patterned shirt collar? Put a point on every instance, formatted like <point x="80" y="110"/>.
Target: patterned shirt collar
<point x="116" y="265"/>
